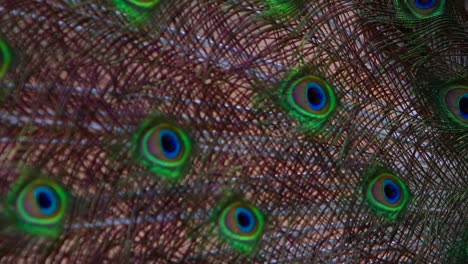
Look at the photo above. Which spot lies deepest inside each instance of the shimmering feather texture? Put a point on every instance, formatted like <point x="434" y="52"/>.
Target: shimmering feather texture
<point x="231" y="131"/>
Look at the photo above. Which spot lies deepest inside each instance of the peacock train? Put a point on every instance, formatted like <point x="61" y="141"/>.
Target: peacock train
<point x="228" y="131"/>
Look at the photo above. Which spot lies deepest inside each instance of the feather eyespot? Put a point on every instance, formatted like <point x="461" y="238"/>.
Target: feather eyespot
<point x="38" y="205"/>
<point x="387" y="193"/>
<point x="164" y="148"/>
<point x="312" y="96"/>
<point x="241" y="224"/>
<point x="456" y="100"/>
<point x="41" y="202"/>
<point x="5" y="58"/>
<point x="46" y="200"/>
<point x="308" y="98"/>
<point x="424" y="8"/>
<point x="163" y="144"/>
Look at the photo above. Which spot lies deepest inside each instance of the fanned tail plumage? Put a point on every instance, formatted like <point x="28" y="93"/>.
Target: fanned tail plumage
<point x="273" y="131"/>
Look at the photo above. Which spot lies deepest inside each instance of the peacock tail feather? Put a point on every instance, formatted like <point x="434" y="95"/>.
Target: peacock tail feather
<point x="276" y="131"/>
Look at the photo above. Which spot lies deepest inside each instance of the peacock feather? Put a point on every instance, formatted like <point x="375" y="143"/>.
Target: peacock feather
<point x="226" y="131"/>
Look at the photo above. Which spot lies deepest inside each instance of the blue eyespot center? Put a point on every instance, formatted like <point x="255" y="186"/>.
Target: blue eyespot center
<point x="391" y="191"/>
<point x="315" y="96"/>
<point x="245" y="219"/>
<point x="463" y="105"/>
<point x="425" y="4"/>
<point x="46" y="200"/>
<point x="170" y="143"/>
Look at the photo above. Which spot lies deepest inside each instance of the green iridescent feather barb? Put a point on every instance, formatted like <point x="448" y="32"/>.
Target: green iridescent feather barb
<point x="137" y="10"/>
<point x="257" y="131"/>
<point x="5" y="57"/>
<point x="281" y="9"/>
